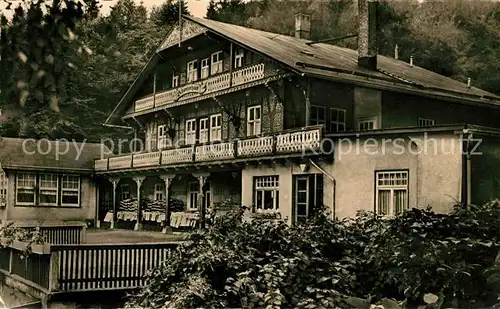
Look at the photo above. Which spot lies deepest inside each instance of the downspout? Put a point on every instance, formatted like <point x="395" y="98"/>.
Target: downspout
<point x="332" y="180"/>
<point x="308" y="103"/>
<point x="466" y="170"/>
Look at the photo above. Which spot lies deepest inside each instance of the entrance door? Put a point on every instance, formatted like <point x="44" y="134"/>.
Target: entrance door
<point x="308" y="196"/>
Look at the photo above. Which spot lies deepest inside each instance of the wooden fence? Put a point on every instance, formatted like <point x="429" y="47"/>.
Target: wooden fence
<point x="61" y="234"/>
<point x="82" y="267"/>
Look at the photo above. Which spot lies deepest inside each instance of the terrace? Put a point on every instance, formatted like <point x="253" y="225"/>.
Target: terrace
<point x="292" y="142"/>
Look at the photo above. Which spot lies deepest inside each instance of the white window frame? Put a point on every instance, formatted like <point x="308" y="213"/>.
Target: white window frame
<point x="4" y="189"/>
<point x="254" y="125"/>
<point x="203" y="130"/>
<point x="161" y="140"/>
<point x="319" y="110"/>
<point x="159" y="193"/>
<point x="217" y="63"/>
<point x="391" y="181"/>
<point x="216" y="127"/>
<point x="425" y="122"/>
<point x="19" y="186"/>
<point x="192" y="198"/>
<point x="54" y="191"/>
<point x="192" y="71"/>
<point x="190" y="131"/>
<point x="205" y="68"/>
<point x="175" y="81"/>
<point x="65" y="179"/>
<point x="122" y="191"/>
<point x="367" y="124"/>
<point x="238" y="58"/>
<point x="338" y="125"/>
<point x="264" y="184"/>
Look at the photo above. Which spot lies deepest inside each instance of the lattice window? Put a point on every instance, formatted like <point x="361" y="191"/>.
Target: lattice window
<point x="266" y="193"/>
<point x="25" y="189"/>
<point x="217" y="63"/>
<point x="216" y="127"/>
<point x="70" y="190"/>
<point x="423" y="122"/>
<point x="254" y="120"/>
<point x="337" y="120"/>
<point x="391" y="192"/>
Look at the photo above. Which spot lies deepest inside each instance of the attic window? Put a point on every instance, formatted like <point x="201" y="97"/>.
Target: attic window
<point x="307" y="53"/>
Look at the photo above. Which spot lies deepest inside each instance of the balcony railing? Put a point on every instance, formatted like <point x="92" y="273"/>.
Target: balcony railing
<point x="202" y="87"/>
<point x="289" y="142"/>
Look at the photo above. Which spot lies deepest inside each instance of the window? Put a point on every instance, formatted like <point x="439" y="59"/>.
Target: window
<point x="367" y="124"/>
<point x="253" y="123"/>
<point x="162" y="137"/>
<point x="422" y="122"/>
<point x="318" y="115"/>
<point x="391" y="192"/>
<point x="175" y="81"/>
<point x="3" y="190"/>
<point x="216" y="127"/>
<point x="70" y="191"/>
<point x="266" y="193"/>
<point x="48" y="189"/>
<point x="124" y="192"/>
<point x="192" y="71"/>
<point x="191" y="131"/>
<point x="238" y="58"/>
<point x="204" y="130"/>
<point x="337" y="120"/>
<point x="308" y="195"/>
<point x="159" y="190"/>
<point x="194" y="188"/>
<point x="217" y="66"/>
<point x="25" y="188"/>
<point x="205" y="69"/>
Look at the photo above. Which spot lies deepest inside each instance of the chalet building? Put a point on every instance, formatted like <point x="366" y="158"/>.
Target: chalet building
<point x="230" y="115"/>
<point x="43" y="182"/>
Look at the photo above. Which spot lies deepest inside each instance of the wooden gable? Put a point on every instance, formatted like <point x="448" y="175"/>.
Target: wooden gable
<point x="188" y="30"/>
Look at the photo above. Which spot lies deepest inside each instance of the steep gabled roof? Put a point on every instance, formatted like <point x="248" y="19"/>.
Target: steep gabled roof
<point x="326" y="61"/>
<point x="22" y="154"/>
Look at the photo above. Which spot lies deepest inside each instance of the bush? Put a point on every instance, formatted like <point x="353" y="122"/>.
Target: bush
<point x="317" y="264"/>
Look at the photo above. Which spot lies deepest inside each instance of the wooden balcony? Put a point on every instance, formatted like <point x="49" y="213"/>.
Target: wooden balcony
<point x="206" y="86"/>
<point x="289" y="142"/>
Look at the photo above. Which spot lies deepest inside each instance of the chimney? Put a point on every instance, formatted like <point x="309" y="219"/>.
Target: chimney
<point x="303" y="26"/>
<point x="367" y="34"/>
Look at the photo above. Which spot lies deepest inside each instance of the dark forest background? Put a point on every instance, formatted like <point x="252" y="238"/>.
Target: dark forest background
<point x="64" y="66"/>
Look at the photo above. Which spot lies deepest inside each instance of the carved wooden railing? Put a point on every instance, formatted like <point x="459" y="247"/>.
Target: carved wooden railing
<point x="209" y="85"/>
<point x="294" y="141"/>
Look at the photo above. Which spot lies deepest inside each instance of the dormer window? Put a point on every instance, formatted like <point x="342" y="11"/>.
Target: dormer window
<point x="205" y="69"/>
<point x="217" y="66"/>
<point x="238" y="58"/>
<point x="175" y="81"/>
<point x="192" y="71"/>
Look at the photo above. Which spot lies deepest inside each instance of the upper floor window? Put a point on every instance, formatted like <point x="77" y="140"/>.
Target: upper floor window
<point x="216" y="127"/>
<point x="159" y="189"/>
<point x="192" y="71"/>
<point x="191" y="131"/>
<point x="337" y="120"/>
<point x="423" y="122"/>
<point x="266" y="193"/>
<point x="217" y="66"/>
<point x="205" y="69"/>
<point x="124" y="192"/>
<point x="204" y="130"/>
<point x="194" y="189"/>
<point x="175" y="81"/>
<point x="238" y="58"/>
<point x="3" y="189"/>
<point x="318" y="115"/>
<point x="25" y="187"/>
<point x="391" y="192"/>
<point x="162" y="137"/>
<point x="253" y="120"/>
<point x="367" y="124"/>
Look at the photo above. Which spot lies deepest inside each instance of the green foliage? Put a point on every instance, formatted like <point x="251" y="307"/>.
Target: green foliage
<point x="420" y="257"/>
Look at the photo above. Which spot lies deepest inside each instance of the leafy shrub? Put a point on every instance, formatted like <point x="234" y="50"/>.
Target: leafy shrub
<point x="259" y="264"/>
